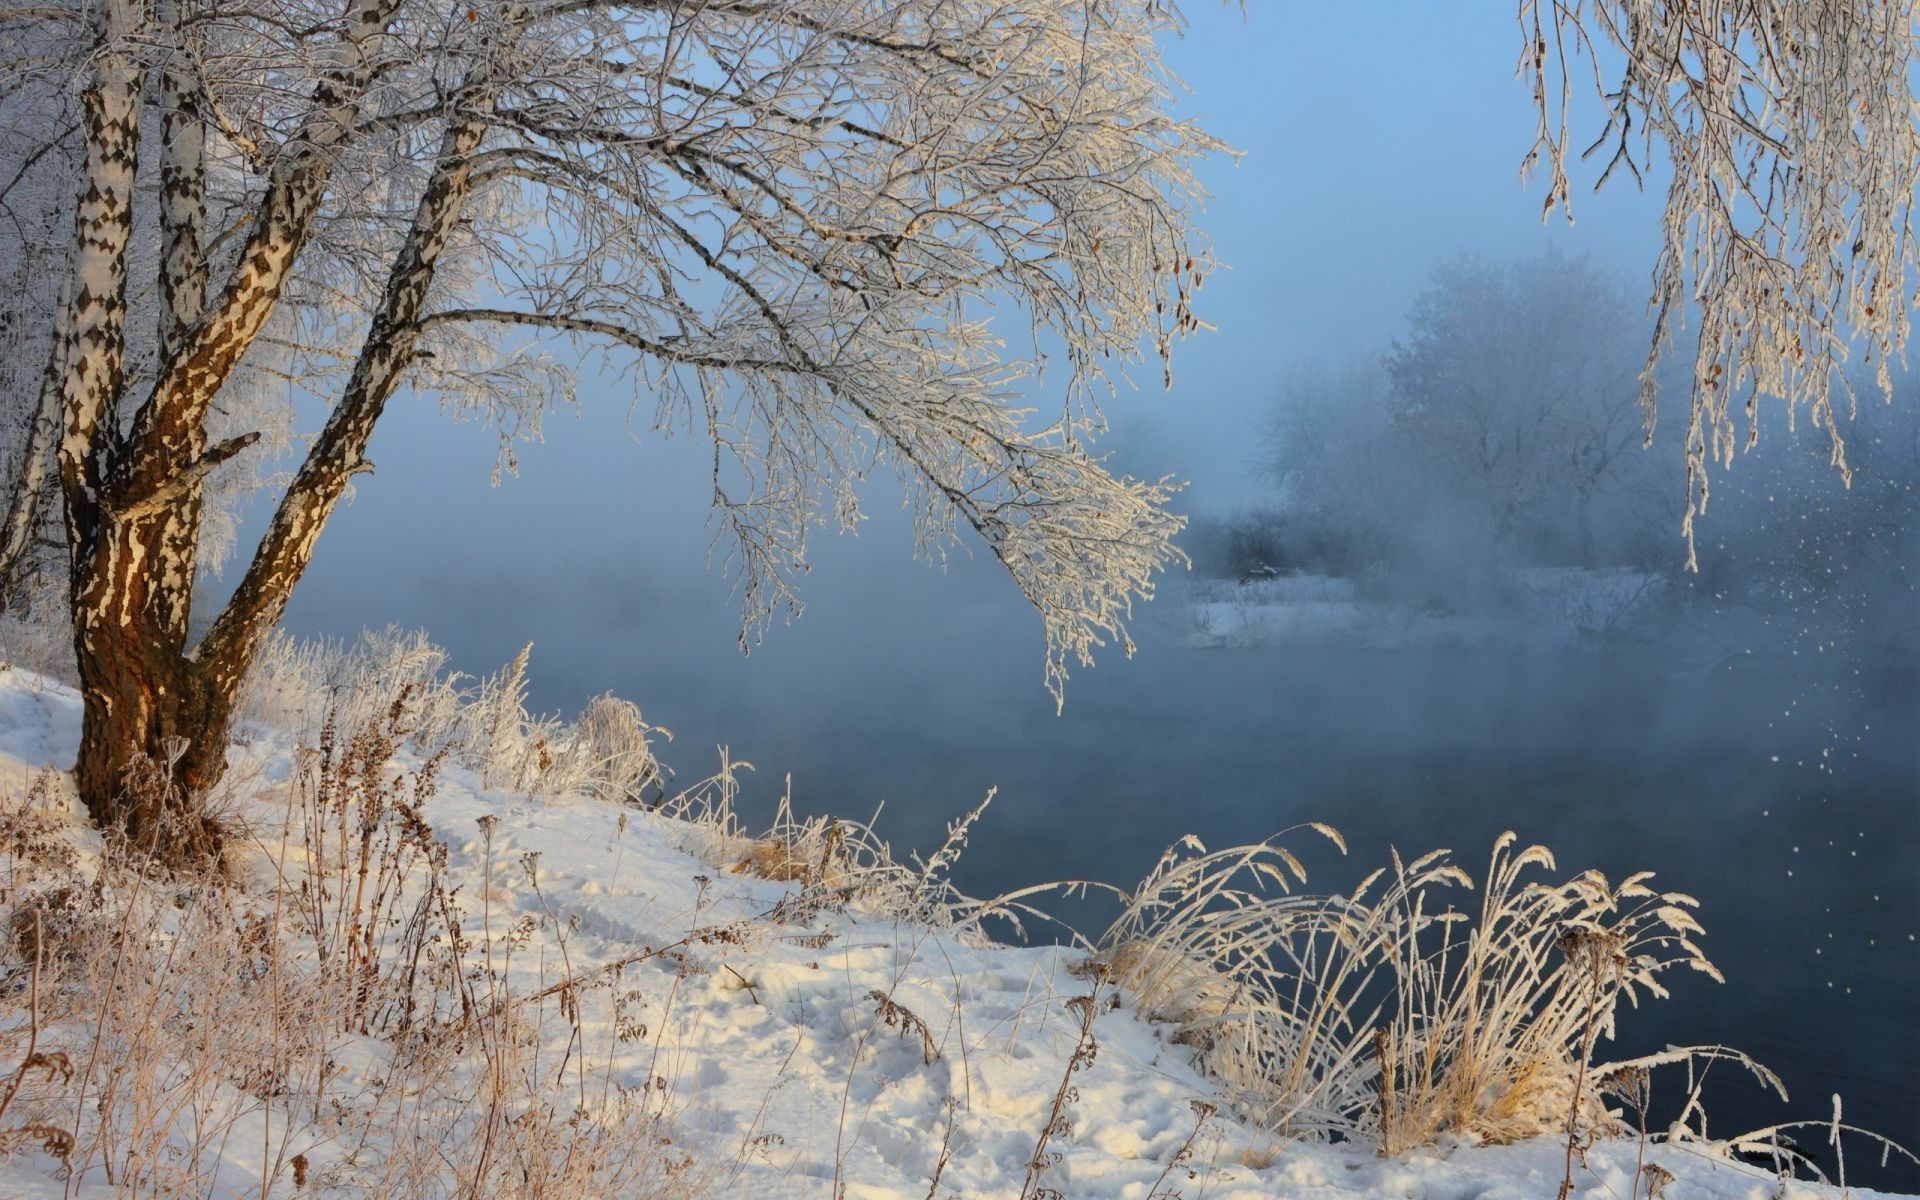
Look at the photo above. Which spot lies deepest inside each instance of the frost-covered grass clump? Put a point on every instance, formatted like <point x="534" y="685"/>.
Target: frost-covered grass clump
<point x="481" y="723"/>
<point x="439" y="962"/>
<point x="1395" y="1013"/>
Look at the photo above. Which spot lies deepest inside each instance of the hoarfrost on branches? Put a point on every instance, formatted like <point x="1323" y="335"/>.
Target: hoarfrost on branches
<point x="790" y="223"/>
<point x="1790" y="129"/>
<point x="798" y="216"/>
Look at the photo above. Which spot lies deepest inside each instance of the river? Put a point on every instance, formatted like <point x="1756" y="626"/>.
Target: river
<point x="1712" y="776"/>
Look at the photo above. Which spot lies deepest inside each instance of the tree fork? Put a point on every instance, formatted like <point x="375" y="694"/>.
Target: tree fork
<point x="340" y="450"/>
<point x="146" y="697"/>
<point x="133" y="509"/>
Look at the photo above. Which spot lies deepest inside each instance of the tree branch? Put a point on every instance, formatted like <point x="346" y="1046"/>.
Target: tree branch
<point x="208" y="352"/>
<point x="339" y="452"/>
<point x="184" y="481"/>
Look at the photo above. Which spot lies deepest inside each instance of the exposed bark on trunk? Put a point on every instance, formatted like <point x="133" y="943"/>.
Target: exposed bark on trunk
<point x="144" y="698"/>
<point x="340" y="451"/>
<point x="183" y="292"/>
<point x="133" y="505"/>
<point x="135" y="698"/>
<point x="28" y="492"/>
<point x="147" y="697"/>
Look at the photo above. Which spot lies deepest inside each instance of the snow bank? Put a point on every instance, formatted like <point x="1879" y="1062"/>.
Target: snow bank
<point x="1555" y="606"/>
<point x="791" y="1046"/>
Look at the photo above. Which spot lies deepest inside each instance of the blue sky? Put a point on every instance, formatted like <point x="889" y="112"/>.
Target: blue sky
<point x="1375" y="138"/>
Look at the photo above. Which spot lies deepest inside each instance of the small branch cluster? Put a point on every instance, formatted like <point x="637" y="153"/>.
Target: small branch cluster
<point x="1790" y="131"/>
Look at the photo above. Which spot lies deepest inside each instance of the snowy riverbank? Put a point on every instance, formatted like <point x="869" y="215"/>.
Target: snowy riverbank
<point x="633" y="1004"/>
<point x="1549" y="606"/>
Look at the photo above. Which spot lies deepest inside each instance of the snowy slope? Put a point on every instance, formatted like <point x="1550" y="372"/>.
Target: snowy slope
<point x="795" y="1048"/>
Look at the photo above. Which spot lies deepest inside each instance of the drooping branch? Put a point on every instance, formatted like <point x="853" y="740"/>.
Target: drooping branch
<point x="1791" y="132"/>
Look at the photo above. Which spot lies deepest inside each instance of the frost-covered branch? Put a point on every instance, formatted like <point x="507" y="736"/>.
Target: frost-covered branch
<point x="1790" y="130"/>
<point x="838" y="237"/>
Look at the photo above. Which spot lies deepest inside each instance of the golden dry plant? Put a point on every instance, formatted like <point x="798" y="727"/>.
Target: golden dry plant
<point x="1387" y="1013"/>
<point x="478" y="722"/>
<point x="171" y="1035"/>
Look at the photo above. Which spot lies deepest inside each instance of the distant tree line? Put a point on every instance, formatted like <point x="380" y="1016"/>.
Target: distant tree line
<point x="1504" y="429"/>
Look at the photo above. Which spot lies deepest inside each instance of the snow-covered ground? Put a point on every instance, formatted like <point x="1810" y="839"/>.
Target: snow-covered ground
<point x="1554" y="605"/>
<point x="776" y="1040"/>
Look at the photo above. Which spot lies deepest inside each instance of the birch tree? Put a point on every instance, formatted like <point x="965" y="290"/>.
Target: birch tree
<point x="793" y="221"/>
<point x="38" y="160"/>
<point x="832" y="236"/>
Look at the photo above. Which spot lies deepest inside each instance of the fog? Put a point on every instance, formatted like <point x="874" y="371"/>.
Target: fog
<point x="1750" y="737"/>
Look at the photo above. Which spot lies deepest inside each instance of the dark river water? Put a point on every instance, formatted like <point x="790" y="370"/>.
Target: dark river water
<point x="1786" y="799"/>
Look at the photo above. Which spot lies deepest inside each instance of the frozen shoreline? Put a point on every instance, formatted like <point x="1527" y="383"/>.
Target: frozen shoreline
<point x="821" y="1050"/>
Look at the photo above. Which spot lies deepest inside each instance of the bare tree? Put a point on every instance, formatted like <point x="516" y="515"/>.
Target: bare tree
<point x="794" y="218"/>
<point x="1789" y="127"/>
<point x="1515" y="387"/>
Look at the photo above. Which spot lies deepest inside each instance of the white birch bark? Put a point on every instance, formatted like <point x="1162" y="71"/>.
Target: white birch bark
<point x="90" y="344"/>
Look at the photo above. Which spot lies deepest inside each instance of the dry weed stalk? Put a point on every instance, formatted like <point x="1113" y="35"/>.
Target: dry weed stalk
<point x="840" y="863"/>
<point x="55" y="1140"/>
<point x="181" y="1022"/>
<point x="372" y="898"/>
<point x="33" y="838"/>
<point x="1203" y="1111"/>
<point x="1086" y="1048"/>
<point x="899" y="1016"/>
<point x="183" y="1037"/>
<point x="501" y="1117"/>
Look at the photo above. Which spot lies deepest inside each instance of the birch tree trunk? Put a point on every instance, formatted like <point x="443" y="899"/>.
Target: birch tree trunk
<point x="27" y="490"/>
<point x="170" y="705"/>
<point x="118" y="674"/>
<point x="133" y="501"/>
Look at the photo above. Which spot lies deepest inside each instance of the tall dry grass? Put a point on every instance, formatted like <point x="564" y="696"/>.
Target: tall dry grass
<point x="481" y="723"/>
<point x="1401" y="1013"/>
<point x="358" y="1026"/>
